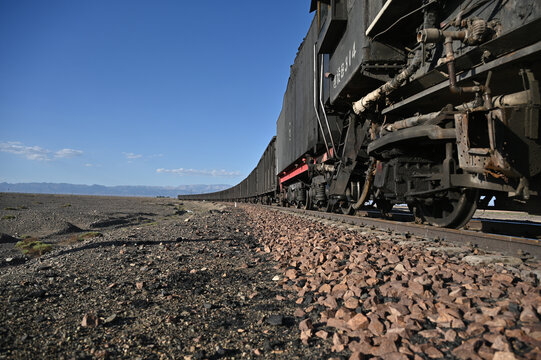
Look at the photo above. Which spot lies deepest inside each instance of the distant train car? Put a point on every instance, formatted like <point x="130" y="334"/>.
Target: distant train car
<point x="259" y="186"/>
<point x="266" y="175"/>
<point x="430" y="103"/>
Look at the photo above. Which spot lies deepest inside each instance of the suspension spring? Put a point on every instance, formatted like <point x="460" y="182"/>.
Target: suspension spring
<point x="320" y="192"/>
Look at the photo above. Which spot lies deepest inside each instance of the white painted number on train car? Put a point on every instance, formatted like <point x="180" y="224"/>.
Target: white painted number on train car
<point x="342" y="70"/>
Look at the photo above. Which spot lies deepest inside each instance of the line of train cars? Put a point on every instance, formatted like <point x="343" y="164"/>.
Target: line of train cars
<point x="430" y="103"/>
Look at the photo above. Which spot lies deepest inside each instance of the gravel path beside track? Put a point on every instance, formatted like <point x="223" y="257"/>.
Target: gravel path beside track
<point x="202" y="280"/>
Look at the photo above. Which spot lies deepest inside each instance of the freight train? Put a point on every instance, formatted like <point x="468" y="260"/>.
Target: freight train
<point x="430" y="103"/>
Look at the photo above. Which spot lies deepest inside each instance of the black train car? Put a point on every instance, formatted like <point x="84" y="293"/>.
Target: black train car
<point x="454" y="117"/>
<point x="297" y="126"/>
<point x="431" y="103"/>
<point x="266" y="174"/>
<point x="437" y="103"/>
<point x="250" y="190"/>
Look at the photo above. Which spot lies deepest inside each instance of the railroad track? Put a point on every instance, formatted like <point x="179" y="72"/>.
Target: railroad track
<point x="518" y="228"/>
<point x="476" y="233"/>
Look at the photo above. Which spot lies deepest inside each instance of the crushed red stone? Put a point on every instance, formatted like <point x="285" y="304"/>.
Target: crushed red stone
<point x="380" y="294"/>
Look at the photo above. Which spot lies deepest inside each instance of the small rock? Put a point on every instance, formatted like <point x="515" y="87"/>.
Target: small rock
<point x="450" y="336"/>
<point x="504" y="355"/>
<point x="427" y="334"/>
<point x="44" y="267"/>
<point x="330" y="302"/>
<point x="305" y="336"/>
<point x="491" y="311"/>
<point x="500" y="343"/>
<point x="528" y="315"/>
<point x="90" y="320"/>
<point x="351" y="303"/>
<point x="306" y="325"/>
<point x="376" y="327"/>
<point x="291" y="274"/>
<point x="325" y="288"/>
<point x="386" y="346"/>
<point x="400" y="268"/>
<point x="507" y="278"/>
<point x="433" y="353"/>
<point x="339" y="342"/>
<point x="357" y="322"/>
<point x="111" y="319"/>
<point x="344" y="314"/>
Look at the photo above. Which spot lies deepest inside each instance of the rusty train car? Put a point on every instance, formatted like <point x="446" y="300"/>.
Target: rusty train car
<point x="430" y="103"/>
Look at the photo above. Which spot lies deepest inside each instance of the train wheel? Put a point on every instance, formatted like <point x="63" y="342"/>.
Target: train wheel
<point x="453" y="212"/>
<point x="308" y="203"/>
<point x="329" y="207"/>
<point x="347" y="208"/>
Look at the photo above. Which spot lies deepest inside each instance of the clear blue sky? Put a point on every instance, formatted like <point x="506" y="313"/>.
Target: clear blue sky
<point x="141" y="92"/>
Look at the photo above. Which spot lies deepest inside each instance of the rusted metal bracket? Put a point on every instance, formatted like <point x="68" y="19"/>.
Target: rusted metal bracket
<point x="477" y="152"/>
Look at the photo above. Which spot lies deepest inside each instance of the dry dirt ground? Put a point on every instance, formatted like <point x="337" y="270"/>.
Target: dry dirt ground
<point x="160" y="278"/>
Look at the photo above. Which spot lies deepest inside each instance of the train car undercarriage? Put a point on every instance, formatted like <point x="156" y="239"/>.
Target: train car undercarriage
<point x="481" y="148"/>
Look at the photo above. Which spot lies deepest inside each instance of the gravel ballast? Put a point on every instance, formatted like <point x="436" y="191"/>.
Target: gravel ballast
<point x="394" y="296"/>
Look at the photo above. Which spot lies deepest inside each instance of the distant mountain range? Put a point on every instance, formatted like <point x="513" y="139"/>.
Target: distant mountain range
<point x="122" y="190"/>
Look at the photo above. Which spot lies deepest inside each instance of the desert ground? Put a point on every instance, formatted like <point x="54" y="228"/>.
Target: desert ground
<point x="137" y="278"/>
<point x="85" y="277"/>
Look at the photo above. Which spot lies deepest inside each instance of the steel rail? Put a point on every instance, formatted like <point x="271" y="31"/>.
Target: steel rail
<point x="519" y="228"/>
<point x="507" y="244"/>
